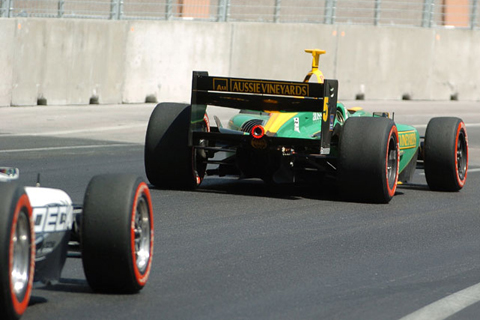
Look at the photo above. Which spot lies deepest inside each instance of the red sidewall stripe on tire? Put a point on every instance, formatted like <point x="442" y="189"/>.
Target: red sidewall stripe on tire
<point x="141" y="190"/>
<point x="461" y="127"/>
<point x="20" y="306"/>
<point x="391" y="191"/>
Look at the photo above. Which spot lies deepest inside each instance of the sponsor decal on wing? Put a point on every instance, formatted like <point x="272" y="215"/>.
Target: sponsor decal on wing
<point x="407" y="139"/>
<point x="260" y="87"/>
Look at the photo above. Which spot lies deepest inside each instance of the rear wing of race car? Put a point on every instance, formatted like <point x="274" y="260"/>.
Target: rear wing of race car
<point x="265" y="96"/>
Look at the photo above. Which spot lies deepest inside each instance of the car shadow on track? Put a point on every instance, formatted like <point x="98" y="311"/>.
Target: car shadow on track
<point x="258" y="188"/>
<point x="36" y="300"/>
<point x="413" y="186"/>
<point x="63" y="285"/>
<point x="69" y="285"/>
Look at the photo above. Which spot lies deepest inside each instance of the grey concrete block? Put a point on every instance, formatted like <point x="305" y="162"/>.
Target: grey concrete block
<point x="7" y="31"/>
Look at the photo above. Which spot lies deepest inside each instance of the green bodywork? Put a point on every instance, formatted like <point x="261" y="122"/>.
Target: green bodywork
<point x="307" y="125"/>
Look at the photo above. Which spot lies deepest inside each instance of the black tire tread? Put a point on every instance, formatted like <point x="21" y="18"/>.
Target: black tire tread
<point x="439" y="154"/>
<point x="362" y="145"/>
<point x="10" y="194"/>
<point x="105" y="233"/>
<point x="168" y="159"/>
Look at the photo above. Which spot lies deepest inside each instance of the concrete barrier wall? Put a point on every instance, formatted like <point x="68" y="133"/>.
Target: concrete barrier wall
<point x="66" y="61"/>
<point x="456" y="65"/>
<point x="160" y="57"/>
<point x="7" y="29"/>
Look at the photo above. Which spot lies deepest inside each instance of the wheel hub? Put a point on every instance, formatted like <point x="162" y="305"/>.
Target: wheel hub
<point x="142" y="235"/>
<point x="21" y="256"/>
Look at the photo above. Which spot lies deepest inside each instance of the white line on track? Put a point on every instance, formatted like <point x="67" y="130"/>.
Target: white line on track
<point x="468" y="125"/>
<point x="66" y="132"/>
<point x="66" y="148"/>
<point x="447" y="306"/>
<point x="468" y="171"/>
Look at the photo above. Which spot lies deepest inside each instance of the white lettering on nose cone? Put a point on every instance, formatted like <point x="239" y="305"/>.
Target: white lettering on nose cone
<point x="52" y="209"/>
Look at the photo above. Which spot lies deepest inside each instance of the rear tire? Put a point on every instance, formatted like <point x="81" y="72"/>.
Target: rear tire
<point x="369" y="159"/>
<point x="169" y="161"/>
<point x="117" y="233"/>
<point x="446" y="154"/>
<point x="17" y="251"/>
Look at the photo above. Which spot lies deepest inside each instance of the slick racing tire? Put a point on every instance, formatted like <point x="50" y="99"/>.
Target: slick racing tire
<point x="169" y="161"/>
<point x="17" y="251"/>
<point x="116" y="233"/>
<point x="446" y="154"/>
<point x="369" y="158"/>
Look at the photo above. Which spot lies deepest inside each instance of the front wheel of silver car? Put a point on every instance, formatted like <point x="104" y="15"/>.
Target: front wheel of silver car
<point x="117" y="233"/>
<point x="17" y="251"/>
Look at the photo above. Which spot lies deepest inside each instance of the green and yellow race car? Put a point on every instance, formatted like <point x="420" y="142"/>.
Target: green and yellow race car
<point x="290" y="132"/>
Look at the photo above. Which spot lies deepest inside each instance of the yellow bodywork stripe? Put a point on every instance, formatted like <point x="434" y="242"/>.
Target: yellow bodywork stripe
<point x="278" y="119"/>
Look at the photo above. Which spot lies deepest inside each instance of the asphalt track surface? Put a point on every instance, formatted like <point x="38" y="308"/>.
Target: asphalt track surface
<point x="239" y="250"/>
